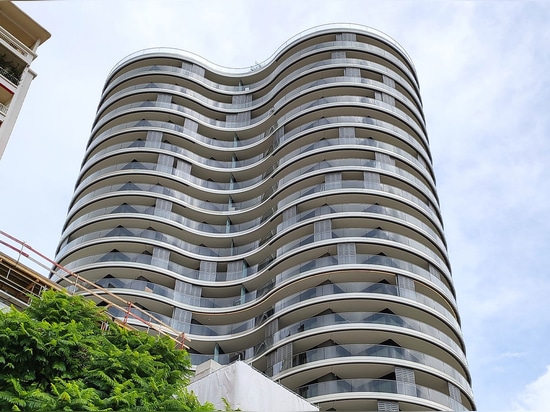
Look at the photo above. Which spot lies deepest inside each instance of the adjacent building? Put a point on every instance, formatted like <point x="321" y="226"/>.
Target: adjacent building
<point x="285" y="215"/>
<point x="20" y="37"/>
<point x="19" y="283"/>
<point x="242" y="388"/>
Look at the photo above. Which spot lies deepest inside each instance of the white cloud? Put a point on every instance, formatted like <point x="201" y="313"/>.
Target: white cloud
<point x="512" y="355"/>
<point x="536" y="395"/>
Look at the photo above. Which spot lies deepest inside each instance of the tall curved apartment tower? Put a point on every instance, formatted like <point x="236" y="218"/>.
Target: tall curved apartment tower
<point x="285" y="215"/>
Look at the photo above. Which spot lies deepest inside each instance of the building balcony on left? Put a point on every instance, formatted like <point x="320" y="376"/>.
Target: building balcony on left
<point x="20" y="37"/>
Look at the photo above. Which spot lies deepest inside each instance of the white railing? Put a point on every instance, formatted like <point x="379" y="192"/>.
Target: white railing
<point x="245" y="70"/>
<point x="16" y="44"/>
<point x="4" y="109"/>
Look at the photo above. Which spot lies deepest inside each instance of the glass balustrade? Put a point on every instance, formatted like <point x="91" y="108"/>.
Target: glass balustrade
<point x="235" y="250"/>
<point x="255" y="202"/>
<point x="320" y="47"/>
<point x="297" y="298"/>
<point x="380" y="386"/>
<point x="257" y="161"/>
<point x="384" y="262"/>
<point x="238" y="229"/>
<point x="366" y="351"/>
<point x="399" y="115"/>
<point x="326" y="166"/>
<point x="355" y="319"/>
<point x="288" y="135"/>
<point x="265" y="99"/>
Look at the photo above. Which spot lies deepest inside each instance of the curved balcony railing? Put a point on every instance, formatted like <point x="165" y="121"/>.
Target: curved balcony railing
<point x="137" y="145"/>
<point x="242" y="249"/>
<point x="377" y="318"/>
<point x="360" y="163"/>
<point x="188" y="200"/>
<point x="325" y="165"/>
<point x="329" y="262"/>
<point x="283" y="100"/>
<point x="385" y="262"/>
<point x="129" y="234"/>
<point x="350" y="319"/>
<point x="369" y="287"/>
<point x="278" y="139"/>
<point x="311" y="32"/>
<point x="152" y="211"/>
<point x="307" y="51"/>
<point x="300" y="110"/>
<point x="333" y="289"/>
<point x="379" y="386"/>
<point x="297" y="73"/>
<point x="255" y="224"/>
<point x="364" y="233"/>
<point x="361" y="350"/>
<point x="325" y="102"/>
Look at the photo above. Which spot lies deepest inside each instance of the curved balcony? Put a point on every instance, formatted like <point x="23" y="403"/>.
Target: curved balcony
<point x="303" y="269"/>
<point x="335" y="289"/>
<point x="368" y="318"/>
<point x="311" y="32"/>
<point x="368" y="351"/>
<point x="277" y="139"/>
<point x="128" y="234"/>
<point x="153" y="190"/>
<point x="240" y="186"/>
<point x="235" y="230"/>
<point x="255" y="161"/>
<point x="353" y="387"/>
<point x="283" y="65"/>
<point x="403" y="120"/>
<point x="297" y="73"/>
<point x="280" y="102"/>
<point x="317" y="324"/>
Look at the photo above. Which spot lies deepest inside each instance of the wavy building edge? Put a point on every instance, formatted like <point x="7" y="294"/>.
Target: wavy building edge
<point x="285" y="215"/>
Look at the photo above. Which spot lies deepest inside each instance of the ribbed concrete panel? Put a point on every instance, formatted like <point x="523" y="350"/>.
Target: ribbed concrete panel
<point x="284" y="215"/>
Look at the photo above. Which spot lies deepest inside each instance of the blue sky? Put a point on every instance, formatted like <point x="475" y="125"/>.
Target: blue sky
<point x="484" y="73"/>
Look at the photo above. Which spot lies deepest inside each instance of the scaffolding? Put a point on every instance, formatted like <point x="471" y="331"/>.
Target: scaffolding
<point x="19" y="284"/>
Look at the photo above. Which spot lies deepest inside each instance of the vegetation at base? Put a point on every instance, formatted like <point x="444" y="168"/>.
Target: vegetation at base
<point x="56" y="355"/>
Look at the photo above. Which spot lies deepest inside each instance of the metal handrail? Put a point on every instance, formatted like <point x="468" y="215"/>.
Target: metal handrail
<point x="77" y="283"/>
<point x="10" y="76"/>
<point x="15" y="43"/>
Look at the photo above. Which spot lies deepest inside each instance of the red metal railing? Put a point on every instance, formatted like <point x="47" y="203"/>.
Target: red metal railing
<point x="76" y="284"/>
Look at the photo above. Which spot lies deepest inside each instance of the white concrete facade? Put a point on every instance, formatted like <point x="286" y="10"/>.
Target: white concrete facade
<point x="285" y="215"/>
<point x="20" y="37"/>
<point x="244" y="389"/>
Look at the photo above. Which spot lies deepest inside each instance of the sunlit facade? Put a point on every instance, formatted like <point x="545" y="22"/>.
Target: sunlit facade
<point x="20" y="37"/>
<point x="285" y="215"/>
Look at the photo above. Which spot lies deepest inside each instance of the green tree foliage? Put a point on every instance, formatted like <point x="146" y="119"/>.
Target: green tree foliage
<point x="55" y="355"/>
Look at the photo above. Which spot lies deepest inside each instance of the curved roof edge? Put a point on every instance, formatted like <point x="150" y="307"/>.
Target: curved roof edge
<point x="167" y="51"/>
